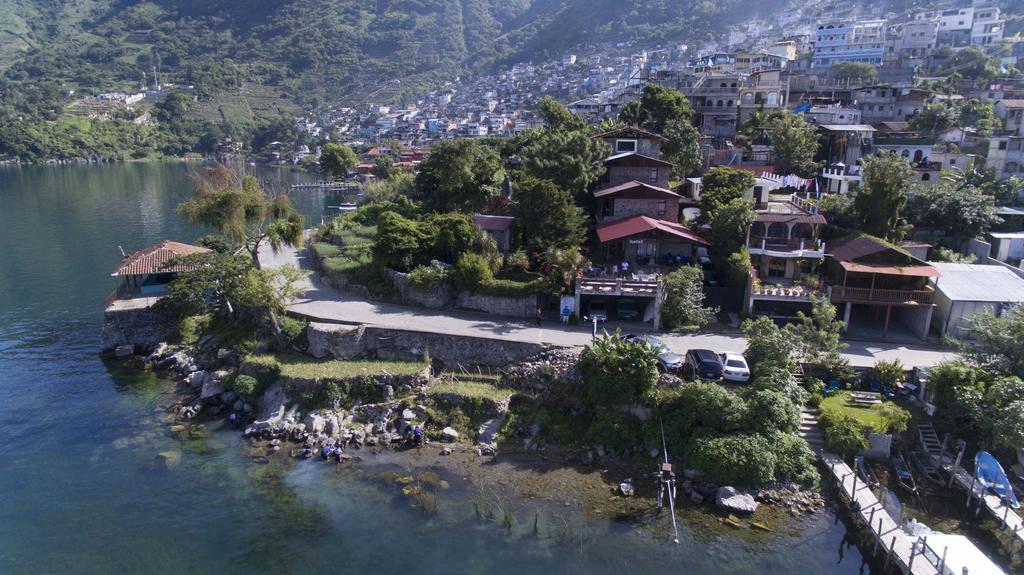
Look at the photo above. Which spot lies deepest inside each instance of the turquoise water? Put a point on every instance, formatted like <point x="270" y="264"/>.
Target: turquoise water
<point x="81" y="492"/>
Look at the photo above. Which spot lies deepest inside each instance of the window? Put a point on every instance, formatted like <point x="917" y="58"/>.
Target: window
<point x="622" y="146"/>
<point x="926" y="177"/>
<point x="653" y="178"/>
<point x="1002" y="145"/>
<point x="662" y="207"/>
<point x="952" y="161"/>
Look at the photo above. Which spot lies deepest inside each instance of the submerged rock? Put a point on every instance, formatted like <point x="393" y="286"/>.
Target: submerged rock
<point x="169" y="459"/>
<point x="730" y="499"/>
<point x="449" y="434"/>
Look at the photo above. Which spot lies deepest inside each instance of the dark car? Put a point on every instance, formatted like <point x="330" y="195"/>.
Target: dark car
<point x="627" y="310"/>
<point x="710" y="274"/>
<point x="703" y="364"/>
<point x="667" y="360"/>
<point x="597" y="310"/>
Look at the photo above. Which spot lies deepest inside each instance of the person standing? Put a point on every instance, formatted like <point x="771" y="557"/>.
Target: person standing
<point x="538" y="315"/>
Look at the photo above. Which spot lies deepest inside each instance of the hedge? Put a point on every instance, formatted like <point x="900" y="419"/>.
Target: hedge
<point x="509" y="288"/>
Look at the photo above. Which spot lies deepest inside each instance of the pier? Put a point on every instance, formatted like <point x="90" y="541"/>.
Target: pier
<point x="911" y="555"/>
<point x="329" y="186"/>
<point x="1008" y="519"/>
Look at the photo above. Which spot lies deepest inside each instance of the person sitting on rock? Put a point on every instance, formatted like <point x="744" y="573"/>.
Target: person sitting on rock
<point x="326" y="452"/>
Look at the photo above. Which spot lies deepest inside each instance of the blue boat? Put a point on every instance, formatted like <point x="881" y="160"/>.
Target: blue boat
<point x="903" y="475"/>
<point x="991" y="475"/>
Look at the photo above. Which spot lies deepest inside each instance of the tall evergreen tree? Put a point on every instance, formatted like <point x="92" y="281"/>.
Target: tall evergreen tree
<point x="879" y="204"/>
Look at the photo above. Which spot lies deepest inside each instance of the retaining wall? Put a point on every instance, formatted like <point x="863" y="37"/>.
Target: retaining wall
<point x="525" y="307"/>
<point x="142" y="328"/>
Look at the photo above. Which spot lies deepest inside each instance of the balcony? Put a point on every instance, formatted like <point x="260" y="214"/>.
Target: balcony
<point x="882" y="296"/>
<point x="786" y="247"/>
<point x="619" y="287"/>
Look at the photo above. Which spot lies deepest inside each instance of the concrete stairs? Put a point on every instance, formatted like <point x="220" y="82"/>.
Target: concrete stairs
<point x="810" y="431"/>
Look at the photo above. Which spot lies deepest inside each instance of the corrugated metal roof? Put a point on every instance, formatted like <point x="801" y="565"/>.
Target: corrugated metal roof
<point x="974" y="282"/>
<point x="641" y="157"/>
<point x="633" y="185"/>
<point x="847" y="127"/>
<point x="493" y="223"/>
<point x="152" y="260"/>
<point x="924" y="271"/>
<point x="643" y="224"/>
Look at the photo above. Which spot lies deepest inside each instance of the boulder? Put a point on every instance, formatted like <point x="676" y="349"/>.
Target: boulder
<point x="332" y="427"/>
<point x="730" y="499"/>
<point x="122" y="351"/>
<point x="315" y="423"/>
<point x="449" y="434"/>
<point x="169" y="459"/>
<point x="238" y="405"/>
<point x="211" y="387"/>
<point x="408" y="414"/>
<point x="228" y="397"/>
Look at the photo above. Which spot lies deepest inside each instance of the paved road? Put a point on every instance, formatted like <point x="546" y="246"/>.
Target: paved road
<point x="324" y="303"/>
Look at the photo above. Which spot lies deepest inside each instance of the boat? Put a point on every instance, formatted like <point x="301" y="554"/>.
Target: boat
<point x="865" y="472"/>
<point x="923" y="464"/>
<point x="991" y="475"/>
<point x="903" y="475"/>
<point x="343" y="207"/>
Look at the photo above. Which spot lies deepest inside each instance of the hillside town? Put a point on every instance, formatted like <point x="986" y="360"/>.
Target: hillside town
<point x="794" y="256"/>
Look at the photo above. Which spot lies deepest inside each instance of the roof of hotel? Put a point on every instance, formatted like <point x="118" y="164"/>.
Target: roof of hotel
<point x="493" y="223"/>
<point x="633" y="184"/>
<point x="153" y="259"/>
<point x="643" y="224"/>
<point x="644" y="159"/>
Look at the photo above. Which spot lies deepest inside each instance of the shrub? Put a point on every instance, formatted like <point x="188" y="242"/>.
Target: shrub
<point x="325" y="250"/>
<point x="843" y="432"/>
<point x="399" y="243"/>
<point x="246" y="385"/>
<point x="894" y="418"/>
<point x="616" y="372"/>
<point x="615" y="431"/>
<point x="191" y="328"/>
<point x="815" y="400"/>
<point x="769" y="411"/>
<point x="265" y="368"/>
<point x="794" y="460"/>
<point x="684" y="299"/>
<point x="736" y="268"/>
<point x="471" y="271"/>
<point x="510" y="288"/>
<point x="427" y="278"/>
<point x="703" y="404"/>
<point x="741" y="459"/>
<point x="292" y="330"/>
<point x="889" y="372"/>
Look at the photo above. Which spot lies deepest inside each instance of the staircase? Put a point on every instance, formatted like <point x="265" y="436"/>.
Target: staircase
<point x="810" y="431"/>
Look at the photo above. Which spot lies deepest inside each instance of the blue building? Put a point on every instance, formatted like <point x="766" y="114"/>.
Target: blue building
<point x="862" y="41"/>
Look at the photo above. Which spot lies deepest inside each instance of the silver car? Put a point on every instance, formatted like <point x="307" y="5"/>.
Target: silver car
<point x="667" y="360"/>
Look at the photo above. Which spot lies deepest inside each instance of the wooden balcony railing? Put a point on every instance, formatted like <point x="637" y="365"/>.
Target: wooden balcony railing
<point x="840" y="293"/>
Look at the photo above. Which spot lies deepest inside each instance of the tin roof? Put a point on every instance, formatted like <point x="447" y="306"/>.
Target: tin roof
<point x="974" y="282"/>
<point x="153" y="259"/>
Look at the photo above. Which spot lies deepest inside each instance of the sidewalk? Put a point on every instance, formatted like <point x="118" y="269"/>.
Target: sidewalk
<point x="322" y="303"/>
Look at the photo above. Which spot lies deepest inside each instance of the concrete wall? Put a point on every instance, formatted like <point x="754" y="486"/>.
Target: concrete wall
<point x="524" y="307"/>
<point x="438" y="298"/>
<point x="350" y="342"/>
<point x="627" y="207"/>
<point x="917" y="319"/>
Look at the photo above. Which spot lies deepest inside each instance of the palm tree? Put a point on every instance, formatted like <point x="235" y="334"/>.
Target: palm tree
<point x="561" y="266"/>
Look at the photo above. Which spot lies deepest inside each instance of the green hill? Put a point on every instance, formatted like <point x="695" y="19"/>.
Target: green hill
<point x="252" y="60"/>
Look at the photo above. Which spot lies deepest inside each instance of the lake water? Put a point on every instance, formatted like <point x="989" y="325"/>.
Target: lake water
<point x="80" y="491"/>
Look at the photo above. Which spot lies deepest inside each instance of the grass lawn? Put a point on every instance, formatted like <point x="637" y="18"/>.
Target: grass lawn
<point x="840" y="401"/>
<point x="300" y="367"/>
<point x="475" y="386"/>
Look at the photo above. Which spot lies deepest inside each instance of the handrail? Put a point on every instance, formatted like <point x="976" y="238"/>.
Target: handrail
<point x="882" y="295"/>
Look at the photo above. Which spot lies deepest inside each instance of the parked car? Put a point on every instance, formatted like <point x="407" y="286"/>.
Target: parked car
<point x="627" y="310"/>
<point x="597" y="310"/>
<point x="734" y="367"/>
<point x="703" y="364"/>
<point x="667" y="359"/>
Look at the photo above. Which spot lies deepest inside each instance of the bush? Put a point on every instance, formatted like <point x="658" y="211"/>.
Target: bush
<point x="769" y="411"/>
<point x="427" y="278"/>
<point x="703" y="405"/>
<point x="471" y="271"/>
<point x="510" y="288"/>
<point x="684" y="299"/>
<point x="191" y="328"/>
<point x="815" y="400"/>
<point x="741" y="459"/>
<point x="894" y="418"/>
<point x="400" y="242"/>
<point x="889" y="372"/>
<point x="843" y="432"/>
<point x="794" y="460"/>
<point x="616" y="372"/>
<point x="292" y="330"/>
<point x="246" y="385"/>
<point x="325" y="250"/>
<point x="736" y="268"/>
<point x="265" y="368"/>
<point x="615" y="431"/>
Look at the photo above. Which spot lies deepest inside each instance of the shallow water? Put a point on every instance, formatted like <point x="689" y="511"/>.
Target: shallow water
<point x="81" y="492"/>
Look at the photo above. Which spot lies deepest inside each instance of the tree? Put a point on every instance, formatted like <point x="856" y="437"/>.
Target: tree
<point x="959" y="390"/>
<point x="547" y="217"/>
<point x="859" y="72"/>
<point x="741" y="459"/>
<point x="960" y="211"/>
<point x="571" y="160"/>
<point x="243" y="211"/>
<point x="818" y="337"/>
<point x="562" y="266"/>
<point x="383" y="167"/>
<point x="400" y="185"/>
<point x="843" y="432"/>
<point x="996" y="346"/>
<point x="449" y="236"/>
<point x="894" y="418"/>
<point x="558" y="118"/>
<point x="400" y="242"/>
<point x="459" y="175"/>
<point x="618" y="372"/>
<point x="936" y="118"/>
<point x="703" y="405"/>
<point x="880" y="202"/>
<point x="657" y="107"/>
<point x="336" y="160"/>
<point x="794" y="145"/>
<point x="768" y="344"/>
<point x="719" y="186"/>
<point x="682" y="148"/>
<point x="889" y="372"/>
<point x="684" y="299"/>
<point x="769" y="411"/>
<point x="729" y="225"/>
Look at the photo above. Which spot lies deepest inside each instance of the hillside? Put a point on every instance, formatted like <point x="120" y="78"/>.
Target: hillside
<point x="253" y="60"/>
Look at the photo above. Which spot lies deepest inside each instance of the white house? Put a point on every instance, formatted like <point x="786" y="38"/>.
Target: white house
<point x="963" y="290"/>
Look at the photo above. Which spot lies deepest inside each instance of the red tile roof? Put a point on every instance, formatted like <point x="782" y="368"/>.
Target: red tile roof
<point x="643" y="224"/>
<point x="493" y="223"/>
<point x="633" y="185"/>
<point x="152" y="260"/>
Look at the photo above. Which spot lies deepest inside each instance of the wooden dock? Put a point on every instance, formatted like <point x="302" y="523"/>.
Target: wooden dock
<point x="330" y="186"/>
<point x="1008" y="519"/>
<point x="909" y="554"/>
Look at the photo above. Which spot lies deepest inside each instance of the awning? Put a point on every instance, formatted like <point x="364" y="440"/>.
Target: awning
<point x="914" y="271"/>
<point x="643" y="224"/>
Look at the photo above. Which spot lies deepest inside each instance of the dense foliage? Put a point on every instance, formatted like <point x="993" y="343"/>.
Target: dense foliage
<point x="684" y="300"/>
<point x="618" y="372"/>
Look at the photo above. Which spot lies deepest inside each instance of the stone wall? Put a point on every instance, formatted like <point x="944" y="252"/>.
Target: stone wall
<point x="439" y="298"/>
<point x="525" y="307"/>
<point x="350" y="342"/>
<point x="141" y="328"/>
